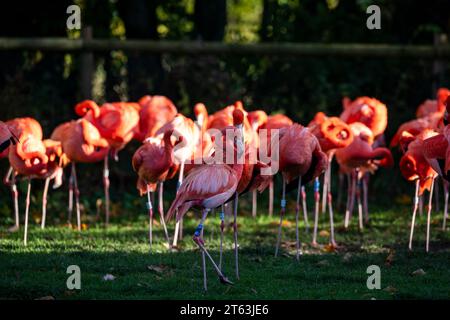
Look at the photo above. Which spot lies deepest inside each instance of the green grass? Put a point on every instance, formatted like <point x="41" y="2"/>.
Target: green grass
<point x="122" y="250"/>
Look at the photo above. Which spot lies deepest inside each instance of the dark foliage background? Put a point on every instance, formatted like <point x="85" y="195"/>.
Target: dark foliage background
<point x="47" y="85"/>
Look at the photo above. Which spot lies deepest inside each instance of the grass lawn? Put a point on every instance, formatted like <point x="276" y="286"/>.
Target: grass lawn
<point x="122" y="250"/>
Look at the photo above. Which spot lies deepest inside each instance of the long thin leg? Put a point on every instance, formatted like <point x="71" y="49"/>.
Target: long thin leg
<point x="413" y="221"/>
<point x="222" y="226"/>
<point x="201" y="244"/>
<point x="150" y="217"/>
<point x="161" y="211"/>
<point x="297" y="209"/>
<point x="177" y="224"/>
<point x="282" y="212"/>
<point x="354" y="188"/>
<point x="316" y="210"/>
<point x="445" y="183"/>
<point x="27" y="209"/>
<point x="349" y="195"/>
<point x="305" y="209"/>
<point x="340" y="190"/>
<point x="235" y="228"/>
<point x="44" y="203"/>
<point x="358" y="198"/>
<point x="77" y="196"/>
<point x="330" y="210"/>
<point x="254" y="203"/>
<point x="365" y="185"/>
<point x="421" y="199"/>
<point x="271" y="198"/>
<point x="106" y="184"/>
<point x="325" y="189"/>
<point x="205" y="279"/>
<point x="70" y="207"/>
<point x="11" y="180"/>
<point x="430" y="199"/>
<point x="436" y="195"/>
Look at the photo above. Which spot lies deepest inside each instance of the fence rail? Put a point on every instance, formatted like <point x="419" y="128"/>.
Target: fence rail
<point x="195" y="47"/>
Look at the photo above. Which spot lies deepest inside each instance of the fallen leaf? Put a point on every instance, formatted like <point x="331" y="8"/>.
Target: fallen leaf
<point x="46" y="298"/>
<point x="390" y="258"/>
<point x="323" y="263"/>
<point x="324" y="233"/>
<point x="254" y="291"/>
<point x="418" y="272"/>
<point x="347" y="257"/>
<point x="329" y="248"/>
<point x="256" y="259"/>
<point x="84" y="226"/>
<point x="390" y="289"/>
<point x="108" y="277"/>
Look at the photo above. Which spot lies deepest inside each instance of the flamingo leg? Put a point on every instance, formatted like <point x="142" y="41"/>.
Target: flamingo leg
<point x="282" y="212"/>
<point x="222" y="227"/>
<point x="316" y="210"/>
<point x="205" y="279"/>
<point x="201" y="244"/>
<point x="161" y="211"/>
<point x="297" y="210"/>
<point x="365" y="187"/>
<point x="358" y="198"/>
<point x="445" y="183"/>
<point x="106" y="184"/>
<point x="27" y="209"/>
<point x="271" y="198"/>
<point x="235" y="229"/>
<point x="44" y="202"/>
<point x="177" y="224"/>
<point x="340" y="190"/>
<point x="430" y="199"/>
<point x="305" y="209"/>
<point x="70" y="207"/>
<point x="353" y="195"/>
<point x="325" y="189"/>
<point x="421" y="205"/>
<point x="347" y="208"/>
<point x="413" y="221"/>
<point x="11" y="180"/>
<point x="77" y="196"/>
<point x="150" y="217"/>
<point x="436" y="195"/>
<point x="330" y="210"/>
<point x="254" y="203"/>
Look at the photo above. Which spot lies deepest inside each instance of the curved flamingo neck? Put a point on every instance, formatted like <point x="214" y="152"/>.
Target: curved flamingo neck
<point x="85" y="106"/>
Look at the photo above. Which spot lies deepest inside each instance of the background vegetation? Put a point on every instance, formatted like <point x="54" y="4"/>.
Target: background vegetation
<point x="46" y="85"/>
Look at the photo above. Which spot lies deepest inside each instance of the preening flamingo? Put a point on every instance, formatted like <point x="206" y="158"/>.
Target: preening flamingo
<point x="154" y="163"/>
<point x="332" y="133"/>
<point x="7" y="137"/>
<point x="18" y="127"/>
<point x="81" y="142"/>
<point x="155" y="112"/>
<point x="300" y="158"/>
<point x="357" y="159"/>
<point x="118" y="123"/>
<point x="211" y="185"/>
<point x="279" y="121"/>
<point x="257" y="119"/>
<point x="415" y="167"/>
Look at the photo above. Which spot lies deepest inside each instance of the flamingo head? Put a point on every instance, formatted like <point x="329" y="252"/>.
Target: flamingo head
<point x="200" y="113"/>
<point x="85" y="106"/>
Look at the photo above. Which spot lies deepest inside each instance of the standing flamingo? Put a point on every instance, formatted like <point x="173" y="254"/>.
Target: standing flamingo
<point x="209" y="186"/>
<point x="19" y="126"/>
<point x="414" y="167"/>
<point x="154" y="163"/>
<point x="332" y="133"/>
<point x="358" y="158"/>
<point x="300" y="158"/>
<point x="118" y="123"/>
<point x="81" y="142"/>
<point x="279" y="121"/>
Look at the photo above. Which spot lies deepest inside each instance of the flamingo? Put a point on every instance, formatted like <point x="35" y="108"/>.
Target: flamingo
<point x="279" y="121"/>
<point x="28" y="158"/>
<point x="19" y="126"/>
<point x="118" y="123"/>
<point x="414" y="167"/>
<point x="155" y="112"/>
<point x="81" y="142"/>
<point x="358" y="158"/>
<point x="183" y="127"/>
<point x="300" y="158"/>
<point x="154" y="163"/>
<point x="257" y="119"/>
<point x="332" y="133"/>
<point x="209" y="186"/>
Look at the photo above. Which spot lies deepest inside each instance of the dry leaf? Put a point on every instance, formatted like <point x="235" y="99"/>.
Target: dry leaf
<point x="390" y="289"/>
<point x="323" y="263"/>
<point x="46" y="298"/>
<point x="347" y="257"/>
<point x="158" y="269"/>
<point x="390" y="258"/>
<point x="329" y="248"/>
<point x="108" y="277"/>
<point x="324" y="233"/>
<point x="418" y="272"/>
